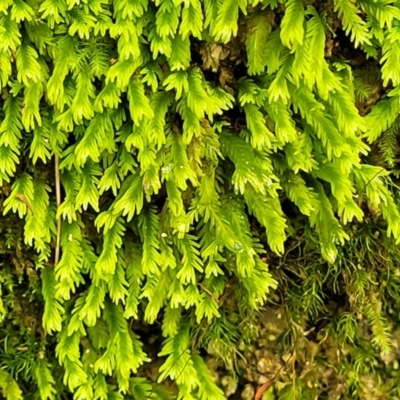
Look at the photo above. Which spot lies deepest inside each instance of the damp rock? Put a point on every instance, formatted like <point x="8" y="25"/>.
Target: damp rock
<point x="248" y="392"/>
<point x="230" y="385"/>
<point x="263" y="365"/>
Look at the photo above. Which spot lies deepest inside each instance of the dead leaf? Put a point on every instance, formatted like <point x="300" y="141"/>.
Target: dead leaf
<point x="24" y="200"/>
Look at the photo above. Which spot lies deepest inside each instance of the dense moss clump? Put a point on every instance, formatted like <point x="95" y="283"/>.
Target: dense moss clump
<point x="198" y="196"/>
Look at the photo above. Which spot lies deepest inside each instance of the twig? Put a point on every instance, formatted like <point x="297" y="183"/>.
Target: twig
<point x="227" y="290"/>
<point x="58" y="202"/>
<point x="212" y="295"/>
<point x="269" y="382"/>
<point x="222" y="299"/>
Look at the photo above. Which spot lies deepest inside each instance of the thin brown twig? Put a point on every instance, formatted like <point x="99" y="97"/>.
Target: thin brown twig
<point x="227" y="290"/>
<point x="58" y="202"/>
<point x="211" y="294"/>
<point x="260" y="392"/>
<point x="222" y="299"/>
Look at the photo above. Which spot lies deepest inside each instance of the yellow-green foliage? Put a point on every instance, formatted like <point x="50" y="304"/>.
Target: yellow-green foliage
<point x="189" y="139"/>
